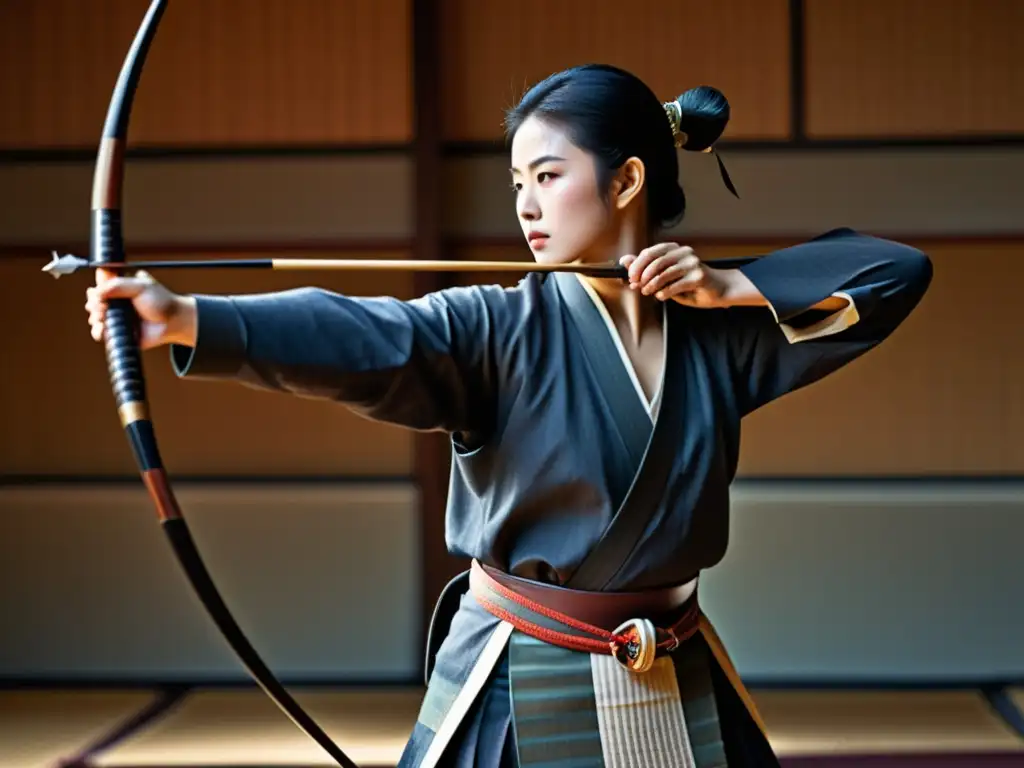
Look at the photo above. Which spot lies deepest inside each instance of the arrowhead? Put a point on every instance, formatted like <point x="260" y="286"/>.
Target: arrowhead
<point x="64" y="265"/>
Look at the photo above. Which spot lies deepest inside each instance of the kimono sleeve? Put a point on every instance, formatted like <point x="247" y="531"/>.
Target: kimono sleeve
<point x="426" y="364"/>
<point x="791" y="345"/>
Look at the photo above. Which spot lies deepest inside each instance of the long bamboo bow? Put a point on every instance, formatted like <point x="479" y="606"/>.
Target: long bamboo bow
<point x="124" y="360"/>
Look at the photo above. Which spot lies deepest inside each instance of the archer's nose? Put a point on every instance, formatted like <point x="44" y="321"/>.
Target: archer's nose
<point x="528" y="208"/>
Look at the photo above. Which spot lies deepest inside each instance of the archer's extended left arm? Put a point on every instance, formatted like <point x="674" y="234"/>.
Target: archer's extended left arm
<point x="426" y="364"/>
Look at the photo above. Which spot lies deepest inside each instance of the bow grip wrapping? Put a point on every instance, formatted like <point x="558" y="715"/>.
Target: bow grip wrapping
<point x="124" y="356"/>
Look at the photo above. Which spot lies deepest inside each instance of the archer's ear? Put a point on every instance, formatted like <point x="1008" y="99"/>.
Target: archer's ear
<point x="628" y="182"/>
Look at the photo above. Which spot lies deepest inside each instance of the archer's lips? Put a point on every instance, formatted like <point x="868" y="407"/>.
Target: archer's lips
<point x="537" y="239"/>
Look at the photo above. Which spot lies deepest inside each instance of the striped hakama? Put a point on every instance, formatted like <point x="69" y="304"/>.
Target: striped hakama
<point x="547" y="707"/>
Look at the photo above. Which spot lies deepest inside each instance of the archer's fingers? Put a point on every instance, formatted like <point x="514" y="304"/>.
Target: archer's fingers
<point x="660" y="272"/>
<point x="681" y="290"/>
<point x="685" y="257"/>
<point x="685" y="263"/>
<point x="675" y="274"/>
<point x="625" y="261"/>
<point x="97" y="310"/>
<point x="93" y="303"/>
<point x="121" y="287"/>
<point x="645" y="257"/>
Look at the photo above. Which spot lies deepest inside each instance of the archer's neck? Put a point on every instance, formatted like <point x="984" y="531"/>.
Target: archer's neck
<point x="627" y="307"/>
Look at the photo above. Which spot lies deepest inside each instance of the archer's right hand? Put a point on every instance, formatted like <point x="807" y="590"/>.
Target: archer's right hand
<point x="165" y="317"/>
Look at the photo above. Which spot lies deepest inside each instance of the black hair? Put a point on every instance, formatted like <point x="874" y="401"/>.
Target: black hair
<point x="614" y="115"/>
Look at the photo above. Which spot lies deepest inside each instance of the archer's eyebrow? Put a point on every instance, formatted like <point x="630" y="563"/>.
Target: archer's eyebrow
<point x="539" y="160"/>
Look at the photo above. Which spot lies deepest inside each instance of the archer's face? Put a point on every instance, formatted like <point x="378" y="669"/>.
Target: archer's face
<point x="557" y="195"/>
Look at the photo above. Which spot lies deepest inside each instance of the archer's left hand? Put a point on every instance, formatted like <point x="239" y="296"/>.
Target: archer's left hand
<point x="671" y="271"/>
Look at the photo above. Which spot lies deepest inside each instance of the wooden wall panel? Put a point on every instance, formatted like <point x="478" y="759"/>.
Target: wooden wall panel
<point x="914" y="67"/>
<point x="59" y="416"/>
<point x="941" y="397"/>
<point x="494" y="51"/>
<point x="939" y="192"/>
<point x="219" y="72"/>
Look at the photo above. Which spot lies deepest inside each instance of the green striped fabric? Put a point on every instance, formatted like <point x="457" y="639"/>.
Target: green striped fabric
<point x="554" y="711"/>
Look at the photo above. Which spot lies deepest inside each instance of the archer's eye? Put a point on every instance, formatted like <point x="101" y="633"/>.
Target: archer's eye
<point x="547" y="174"/>
<point x="515" y="186"/>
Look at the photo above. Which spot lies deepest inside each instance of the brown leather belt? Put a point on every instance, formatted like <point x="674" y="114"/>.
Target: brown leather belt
<point x="622" y="624"/>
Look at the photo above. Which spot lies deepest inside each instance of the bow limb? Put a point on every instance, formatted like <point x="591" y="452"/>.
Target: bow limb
<point x="124" y="361"/>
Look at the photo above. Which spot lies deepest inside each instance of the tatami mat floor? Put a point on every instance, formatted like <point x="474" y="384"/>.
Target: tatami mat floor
<point x="243" y="728"/>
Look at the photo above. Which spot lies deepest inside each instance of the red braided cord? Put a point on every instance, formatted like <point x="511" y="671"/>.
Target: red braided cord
<point x="508" y="594"/>
<point x="572" y="642"/>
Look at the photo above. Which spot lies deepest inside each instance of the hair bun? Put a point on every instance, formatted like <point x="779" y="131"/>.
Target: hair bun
<point x="698" y="118"/>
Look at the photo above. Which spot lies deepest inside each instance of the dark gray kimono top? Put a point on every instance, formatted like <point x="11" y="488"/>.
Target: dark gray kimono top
<point x="539" y="464"/>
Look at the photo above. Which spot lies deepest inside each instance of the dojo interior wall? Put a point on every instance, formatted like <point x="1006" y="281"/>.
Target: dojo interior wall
<point x="284" y="128"/>
<point x="274" y="72"/>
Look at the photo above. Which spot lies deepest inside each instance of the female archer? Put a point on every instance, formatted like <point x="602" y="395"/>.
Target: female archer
<point x="594" y="425"/>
